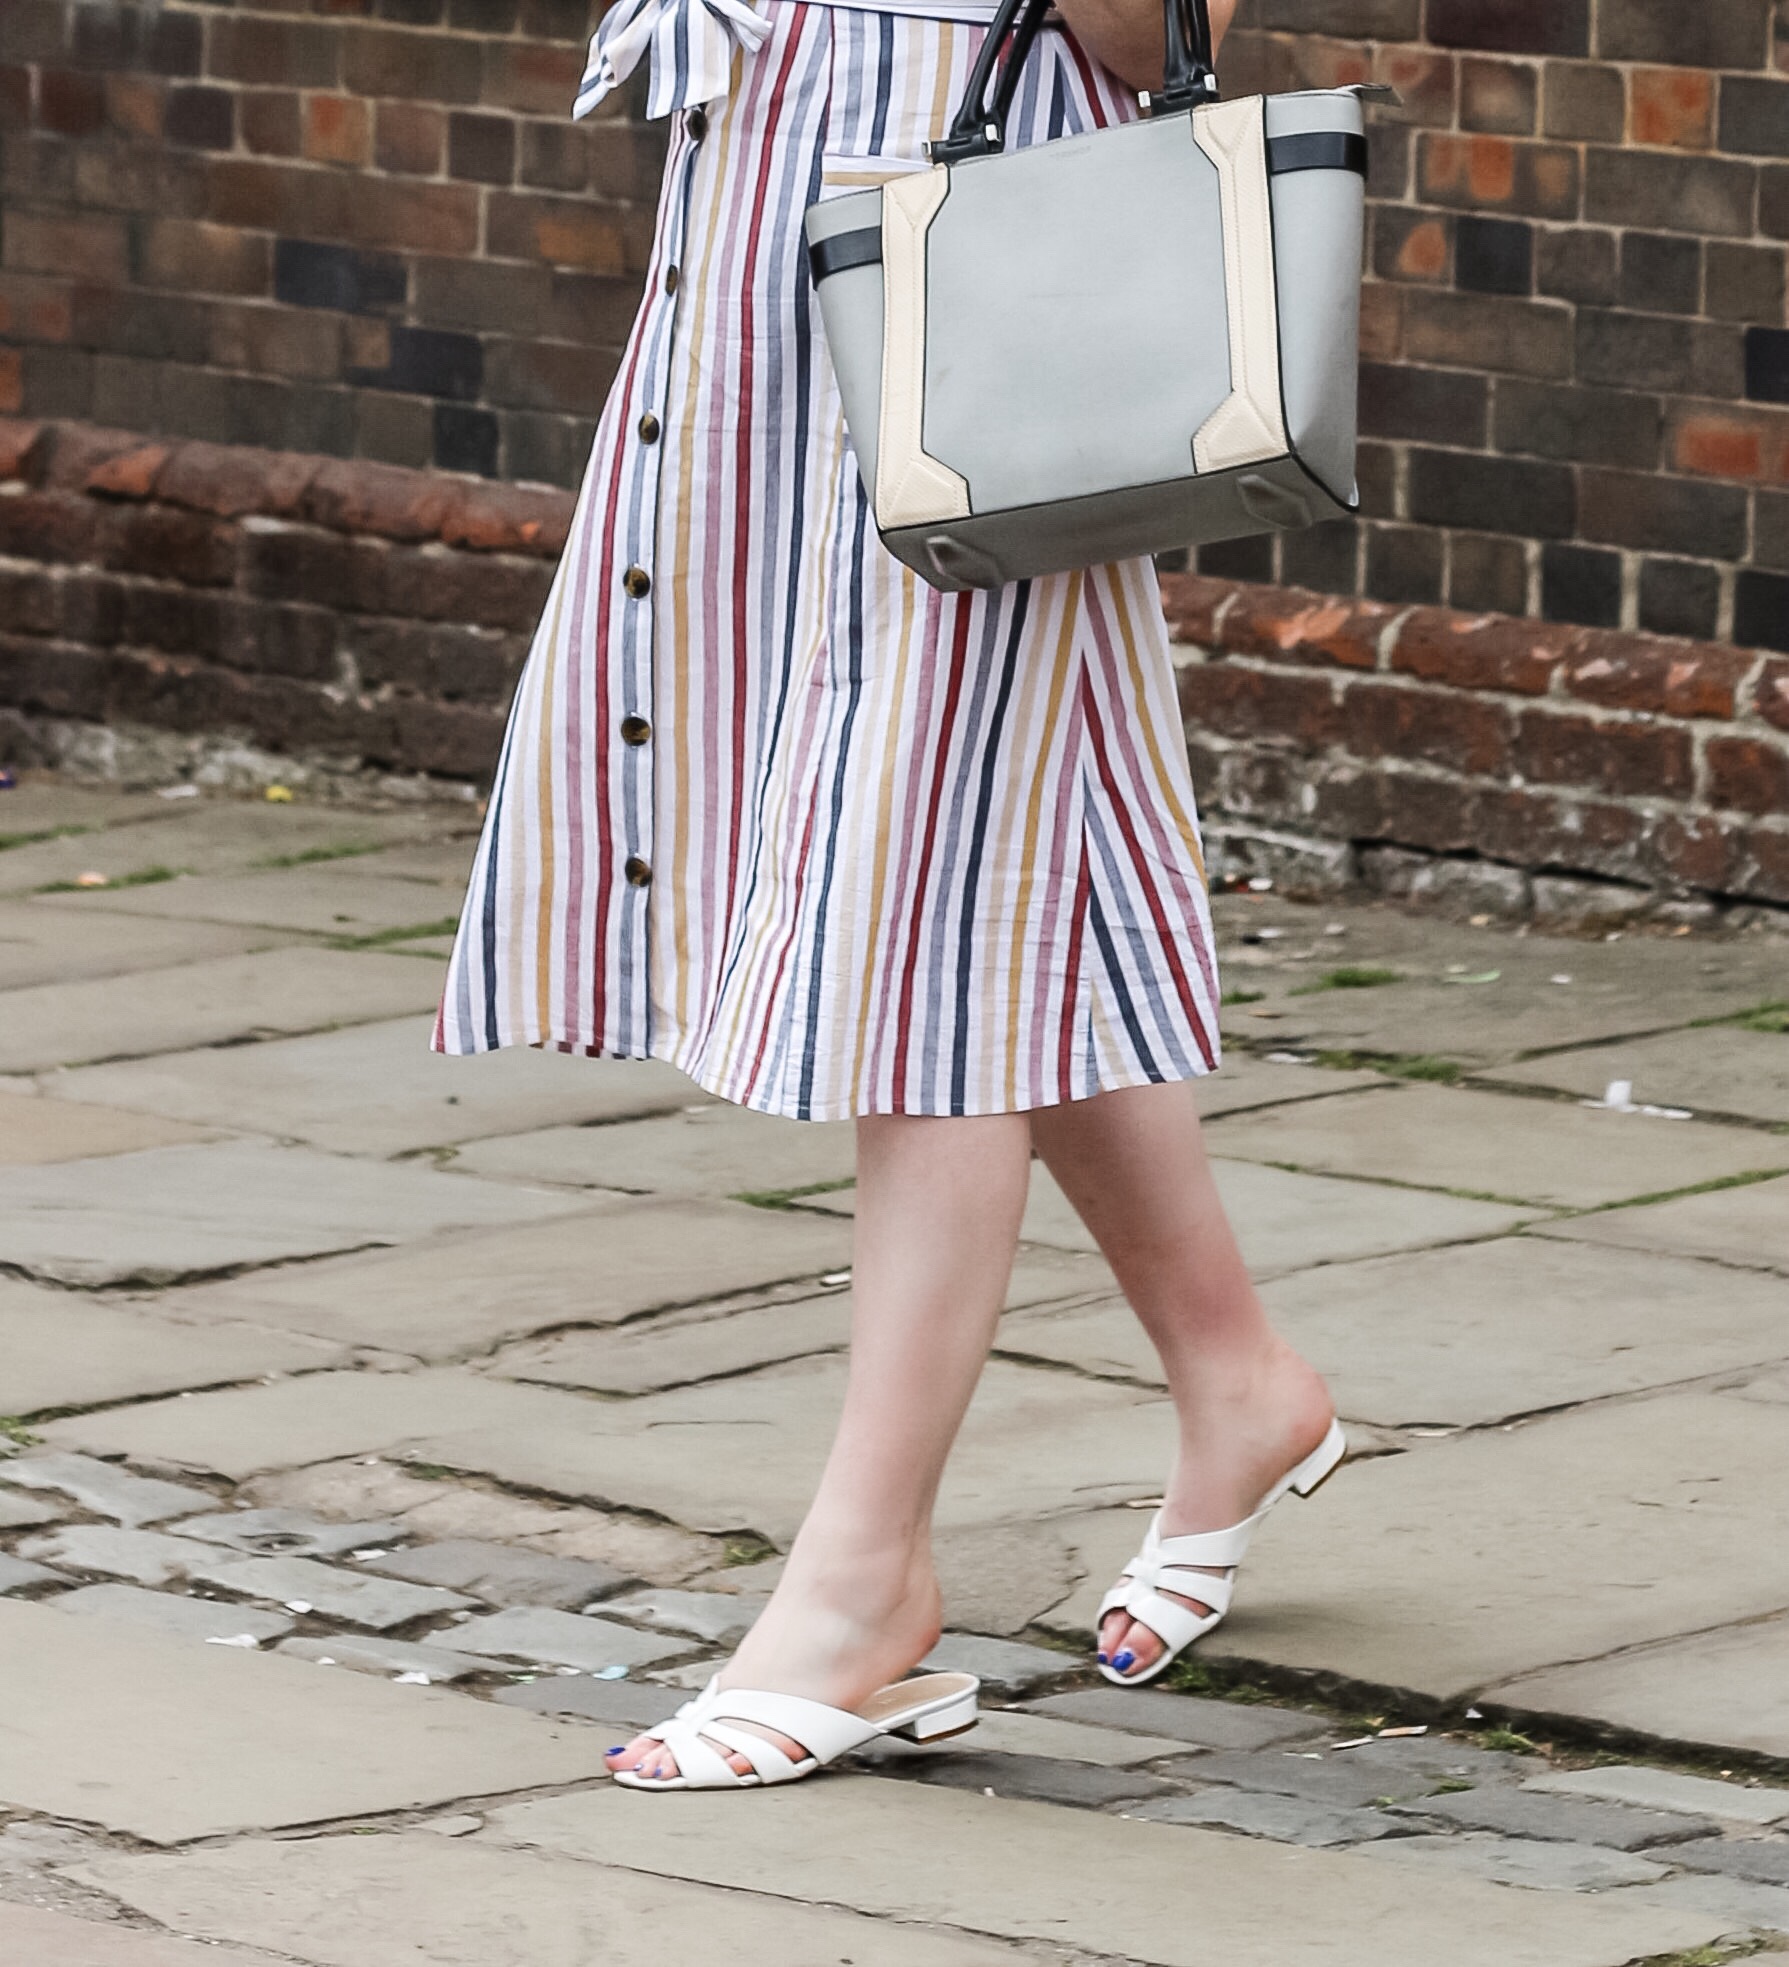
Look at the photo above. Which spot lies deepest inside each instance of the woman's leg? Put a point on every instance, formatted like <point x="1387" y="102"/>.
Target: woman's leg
<point x="1133" y="1163"/>
<point x="938" y="1209"/>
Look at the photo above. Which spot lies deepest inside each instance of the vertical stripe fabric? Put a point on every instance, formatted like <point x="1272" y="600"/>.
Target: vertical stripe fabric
<point x="769" y="807"/>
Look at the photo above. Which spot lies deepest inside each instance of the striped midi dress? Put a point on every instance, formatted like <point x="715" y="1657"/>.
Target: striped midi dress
<point x="769" y="807"/>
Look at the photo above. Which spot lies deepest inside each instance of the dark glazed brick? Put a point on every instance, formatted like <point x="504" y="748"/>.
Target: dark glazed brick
<point x="394" y="429"/>
<point x="1680" y="597"/>
<point x="555" y="156"/>
<point x="33" y="30"/>
<point x="70" y="104"/>
<point x="381" y="61"/>
<point x="1487" y="575"/>
<point x="272" y="125"/>
<point x="1710" y="195"/>
<point x="282" y="54"/>
<point x="1770" y="545"/>
<point x="1704" y="34"/>
<point x="465" y="439"/>
<point x="1494" y="256"/>
<point x="1323" y="558"/>
<point x="1583" y="104"/>
<point x="545" y="450"/>
<point x="1630" y="351"/>
<point x="1767" y="365"/>
<point x="1761" y="610"/>
<point x="1512" y="27"/>
<point x="482" y="16"/>
<point x="1492" y="495"/>
<point x="1754" y="116"/>
<point x="1581" y="584"/>
<point x="306" y="274"/>
<point x="1578" y="425"/>
<point x="1746" y="283"/>
<point x="428" y="362"/>
<point x="201" y="119"/>
<point x="411" y="13"/>
<point x="1444" y="406"/>
<point x="1662" y="515"/>
<point x="1578" y="266"/>
<point x="1494" y="173"/>
<point x="1238" y="560"/>
<point x="1404" y="563"/>
<point x="147" y="39"/>
<point x="1661" y="273"/>
<point x="482" y="148"/>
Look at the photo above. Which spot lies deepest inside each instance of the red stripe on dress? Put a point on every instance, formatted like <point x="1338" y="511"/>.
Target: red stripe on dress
<point x="1071" y="979"/>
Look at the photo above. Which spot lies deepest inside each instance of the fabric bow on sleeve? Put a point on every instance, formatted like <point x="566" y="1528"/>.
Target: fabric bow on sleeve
<point x="691" y="43"/>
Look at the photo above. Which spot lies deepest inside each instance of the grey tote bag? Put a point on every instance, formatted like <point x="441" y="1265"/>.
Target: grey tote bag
<point x="1108" y="345"/>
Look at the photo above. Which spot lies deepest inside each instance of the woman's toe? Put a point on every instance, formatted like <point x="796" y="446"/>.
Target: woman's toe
<point x="1112" y="1634"/>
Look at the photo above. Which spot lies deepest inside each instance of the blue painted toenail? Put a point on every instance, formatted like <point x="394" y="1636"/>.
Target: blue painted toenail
<point x="1101" y="1658"/>
<point x="1125" y="1661"/>
<point x="616" y="1750"/>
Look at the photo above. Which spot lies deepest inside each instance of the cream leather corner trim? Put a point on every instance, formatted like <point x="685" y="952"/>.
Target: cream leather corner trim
<point x="1249" y="427"/>
<point x="911" y="488"/>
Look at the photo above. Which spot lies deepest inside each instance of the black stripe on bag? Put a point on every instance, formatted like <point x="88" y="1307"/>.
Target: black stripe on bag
<point x="1317" y="150"/>
<point x="845" y="250"/>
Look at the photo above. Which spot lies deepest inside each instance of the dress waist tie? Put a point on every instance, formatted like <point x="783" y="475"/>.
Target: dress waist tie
<point x="691" y="43"/>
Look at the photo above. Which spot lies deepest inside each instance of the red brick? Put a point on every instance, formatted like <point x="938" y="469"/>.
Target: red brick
<point x="1771" y="693"/>
<point x="1748" y="775"/>
<point x="562" y="231"/>
<point x="69" y="103"/>
<point x="1750" y="445"/>
<point x="1287" y="625"/>
<point x="1193" y="604"/>
<point x="131" y="474"/>
<point x="455" y="740"/>
<point x="1439" y="814"/>
<point x="1242" y="702"/>
<point x="34" y="309"/>
<point x="1531" y="828"/>
<point x="1662" y="678"/>
<point x="271" y="121"/>
<point x="1628" y="760"/>
<point x="12" y="381"/>
<point x="28" y="601"/>
<point x="1692" y="851"/>
<point x="491" y="590"/>
<point x="276" y="341"/>
<point x="1425" y="81"/>
<point x="21" y="448"/>
<point x="1411" y="723"/>
<point x="1764" y="855"/>
<point x="1671" y="107"/>
<point x="229" y="480"/>
<point x="338" y="130"/>
<point x="74" y="450"/>
<point x="354" y="497"/>
<point x="427" y="218"/>
<point x="508" y="519"/>
<point x="1482" y="173"/>
<point x="302" y="563"/>
<point x="1381" y="322"/>
<point x="168" y="544"/>
<point x="1480" y="652"/>
<point x="134" y="105"/>
<point x="534" y="78"/>
<point x="47" y="525"/>
<point x="409" y="137"/>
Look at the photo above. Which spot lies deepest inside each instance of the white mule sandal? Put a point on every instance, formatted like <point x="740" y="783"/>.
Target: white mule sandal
<point x="1174" y="1564"/>
<point x="924" y="1709"/>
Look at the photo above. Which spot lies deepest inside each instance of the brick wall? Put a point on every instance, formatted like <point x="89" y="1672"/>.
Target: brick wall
<point x="362" y="228"/>
<point x="1577" y="360"/>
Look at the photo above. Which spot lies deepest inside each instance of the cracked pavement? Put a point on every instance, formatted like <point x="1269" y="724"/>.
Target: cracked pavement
<point x="385" y="1435"/>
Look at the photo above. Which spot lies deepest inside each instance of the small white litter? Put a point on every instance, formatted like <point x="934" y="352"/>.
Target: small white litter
<point x="246" y="1640"/>
<point x="1358" y="1741"/>
<point x="1562" y="978"/>
<point x="298" y="1605"/>
<point x="1288" y="1058"/>
<point x="1400" y="1734"/>
<point x="610" y="1673"/>
<point x="1260" y="885"/>
<point x="367" y="1556"/>
<point x="412" y="1680"/>
<point x="834" y="1277"/>
<point x="177" y="792"/>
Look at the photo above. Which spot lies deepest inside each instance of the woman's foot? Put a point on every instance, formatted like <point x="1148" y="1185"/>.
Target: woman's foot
<point x="1240" y="1432"/>
<point x="835" y="1630"/>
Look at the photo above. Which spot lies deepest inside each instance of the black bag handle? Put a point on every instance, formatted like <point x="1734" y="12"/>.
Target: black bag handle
<point x="979" y="127"/>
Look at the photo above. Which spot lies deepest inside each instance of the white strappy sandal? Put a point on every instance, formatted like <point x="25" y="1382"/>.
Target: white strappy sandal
<point x="1174" y="1564"/>
<point x="924" y="1709"/>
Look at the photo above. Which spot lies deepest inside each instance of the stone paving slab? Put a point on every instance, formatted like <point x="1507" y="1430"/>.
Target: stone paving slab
<point x="1764" y="1860"/>
<point x="447" y="860"/>
<point x="317" y="1418"/>
<point x="1636" y="1521"/>
<point x="1009" y="1732"/>
<point x="1728" y="1689"/>
<point x="377" y="1089"/>
<point x="1285" y="1818"/>
<point x="20" y="1574"/>
<point x="216" y="1002"/>
<point x="40" y="945"/>
<point x="554" y="1638"/>
<point x="1525" y="1150"/>
<point x="715" y="1618"/>
<point x="236" y="1741"/>
<point x="1744" y="1906"/>
<point x="1520" y="1861"/>
<point x="1334" y="1780"/>
<point x="34" y="1130"/>
<point x="1037" y="1778"/>
<point x="1283" y="1221"/>
<point x="315" y="900"/>
<point x="1564" y="1819"/>
<point x="460" y="1902"/>
<point x="1732" y="1226"/>
<point x="1425" y="1339"/>
<point x="59" y="1350"/>
<point x="167" y="1613"/>
<point x="1666" y="1789"/>
<point x="1722" y="1070"/>
<point x="501" y="1575"/>
<point x="132" y="1500"/>
<point x="609" y="1261"/>
<point x="1183" y="1717"/>
<point x="364" y="1653"/>
<point x="289" y="1533"/>
<point x="175" y="1212"/>
<point x="35" y="1938"/>
<point x="26" y="1512"/>
<point x="42" y="802"/>
<point x="1154" y="1894"/>
<point x="1245" y="1082"/>
<point x="1035" y="1443"/>
<point x="711" y="1150"/>
<point x="630" y="1705"/>
<point x="144" y="1557"/>
<point x="302" y="1584"/>
<point x="209" y="836"/>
